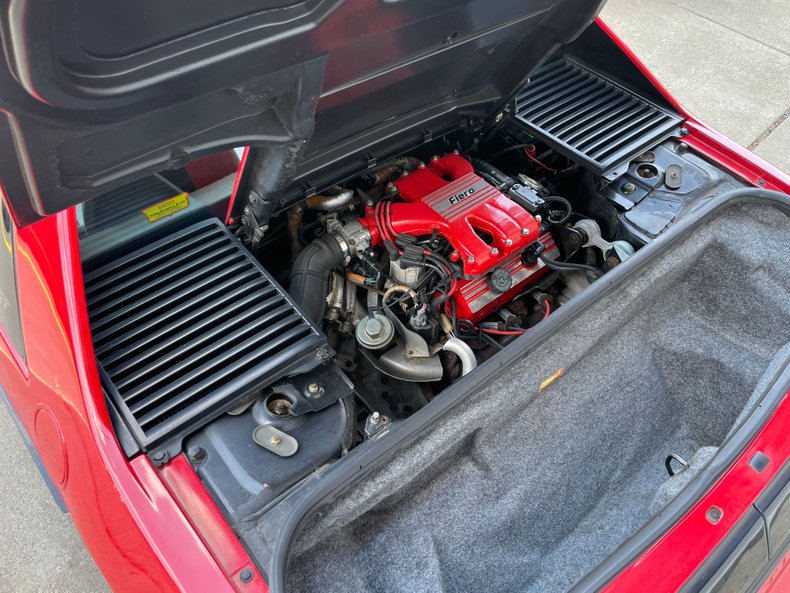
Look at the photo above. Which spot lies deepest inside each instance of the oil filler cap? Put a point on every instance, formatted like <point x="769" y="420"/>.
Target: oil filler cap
<point x="500" y="280"/>
<point x="275" y="440"/>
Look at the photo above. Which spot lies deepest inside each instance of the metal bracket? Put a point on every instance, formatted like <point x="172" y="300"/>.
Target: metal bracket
<point x="675" y="457"/>
<point x="314" y="391"/>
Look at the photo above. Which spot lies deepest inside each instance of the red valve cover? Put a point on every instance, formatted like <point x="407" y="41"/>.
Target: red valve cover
<point x="475" y="299"/>
<point x="447" y="196"/>
<point x="486" y="228"/>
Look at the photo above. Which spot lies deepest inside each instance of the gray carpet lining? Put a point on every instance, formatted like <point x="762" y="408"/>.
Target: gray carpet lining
<point x="520" y="490"/>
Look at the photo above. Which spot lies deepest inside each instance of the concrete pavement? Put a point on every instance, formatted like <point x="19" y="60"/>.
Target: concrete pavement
<point x="728" y="61"/>
<point x="40" y="549"/>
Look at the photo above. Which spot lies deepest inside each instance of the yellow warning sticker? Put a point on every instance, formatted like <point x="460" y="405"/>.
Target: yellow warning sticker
<point x="166" y="208"/>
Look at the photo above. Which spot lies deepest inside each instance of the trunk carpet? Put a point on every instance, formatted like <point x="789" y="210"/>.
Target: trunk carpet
<point x="520" y="490"/>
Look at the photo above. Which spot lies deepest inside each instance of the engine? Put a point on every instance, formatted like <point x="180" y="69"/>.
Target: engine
<point x="423" y="270"/>
<point x="486" y="231"/>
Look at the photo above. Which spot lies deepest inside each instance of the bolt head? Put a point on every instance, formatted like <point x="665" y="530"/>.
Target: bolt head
<point x="471" y="259"/>
<point x="435" y="158"/>
<point x="525" y="231"/>
<point x="246" y="574"/>
<point x="494" y="251"/>
<point x="538" y="218"/>
<point x="313" y="388"/>
<point x="374" y="328"/>
<point x="275" y="441"/>
<point x="714" y="515"/>
<point x="508" y="242"/>
<point x="455" y="151"/>
<point x="375" y="418"/>
<point x="421" y="165"/>
<point x="161" y="456"/>
<point x="196" y="454"/>
<point x="499" y="117"/>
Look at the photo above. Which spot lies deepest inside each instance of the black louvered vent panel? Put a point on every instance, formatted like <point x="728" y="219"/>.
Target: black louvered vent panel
<point x="589" y="118"/>
<point x="126" y="201"/>
<point x="187" y="326"/>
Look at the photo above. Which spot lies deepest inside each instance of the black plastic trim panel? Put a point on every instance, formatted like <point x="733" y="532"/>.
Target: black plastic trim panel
<point x="188" y="326"/>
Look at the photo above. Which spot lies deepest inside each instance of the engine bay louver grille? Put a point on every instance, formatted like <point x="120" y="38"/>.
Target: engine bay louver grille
<point x="189" y="325"/>
<point x="590" y="118"/>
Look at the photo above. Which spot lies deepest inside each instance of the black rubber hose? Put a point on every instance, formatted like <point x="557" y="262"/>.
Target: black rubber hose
<point x="310" y="275"/>
<point x="564" y="265"/>
<point x="566" y="207"/>
<point x="502" y="181"/>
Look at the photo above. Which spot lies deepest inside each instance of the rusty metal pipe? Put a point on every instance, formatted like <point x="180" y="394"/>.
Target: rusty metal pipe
<point x="330" y="203"/>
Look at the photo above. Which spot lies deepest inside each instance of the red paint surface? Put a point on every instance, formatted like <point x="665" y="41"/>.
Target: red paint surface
<point x="187" y="489"/>
<point x="438" y="198"/>
<point x="469" y="291"/>
<point x="779" y="579"/>
<point x="447" y="197"/>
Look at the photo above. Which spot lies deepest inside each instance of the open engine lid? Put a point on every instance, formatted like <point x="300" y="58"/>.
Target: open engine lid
<point x="95" y="93"/>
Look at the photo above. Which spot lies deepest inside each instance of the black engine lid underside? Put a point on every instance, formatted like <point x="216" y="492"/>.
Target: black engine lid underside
<point x="94" y="95"/>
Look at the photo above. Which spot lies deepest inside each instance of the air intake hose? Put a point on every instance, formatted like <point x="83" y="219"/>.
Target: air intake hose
<point x="310" y="275"/>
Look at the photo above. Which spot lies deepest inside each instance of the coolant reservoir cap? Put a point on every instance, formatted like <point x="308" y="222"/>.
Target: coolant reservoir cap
<point x="375" y="331"/>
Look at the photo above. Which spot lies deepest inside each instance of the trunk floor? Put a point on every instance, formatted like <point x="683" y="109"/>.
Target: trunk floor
<point x="520" y="490"/>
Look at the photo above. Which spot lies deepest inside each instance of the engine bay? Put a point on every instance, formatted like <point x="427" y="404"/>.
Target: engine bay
<point x="424" y="269"/>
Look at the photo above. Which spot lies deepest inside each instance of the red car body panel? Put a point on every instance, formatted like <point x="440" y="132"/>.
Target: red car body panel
<point x="158" y="530"/>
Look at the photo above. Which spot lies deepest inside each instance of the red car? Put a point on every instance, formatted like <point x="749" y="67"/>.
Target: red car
<point x="481" y="307"/>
